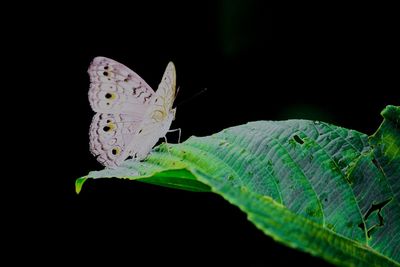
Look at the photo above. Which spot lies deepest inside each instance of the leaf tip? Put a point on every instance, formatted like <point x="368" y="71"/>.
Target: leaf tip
<point x="391" y="113"/>
<point x="79" y="183"/>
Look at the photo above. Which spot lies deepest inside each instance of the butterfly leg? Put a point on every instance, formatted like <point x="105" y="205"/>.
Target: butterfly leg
<point x="179" y="135"/>
<point x="166" y="143"/>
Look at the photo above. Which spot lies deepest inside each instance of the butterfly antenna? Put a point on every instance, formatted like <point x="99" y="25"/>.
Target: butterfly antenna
<point x="191" y="98"/>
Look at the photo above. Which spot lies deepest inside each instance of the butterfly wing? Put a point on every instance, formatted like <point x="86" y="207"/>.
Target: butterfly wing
<point x="166" y="91"/>
<point x="115" y="89"/>
<point x="121" y="99"/>
<point x="110" y="135"/>
<point x="158" y="117"/>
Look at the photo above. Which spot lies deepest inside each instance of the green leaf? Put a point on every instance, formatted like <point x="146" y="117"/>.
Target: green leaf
<point x="316" y="187"/>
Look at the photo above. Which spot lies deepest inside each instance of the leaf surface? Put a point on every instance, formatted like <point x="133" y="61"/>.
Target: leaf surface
<point x="316" y="187"/>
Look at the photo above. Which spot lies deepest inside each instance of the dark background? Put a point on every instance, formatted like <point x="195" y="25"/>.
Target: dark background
<point x="257" y="64"/>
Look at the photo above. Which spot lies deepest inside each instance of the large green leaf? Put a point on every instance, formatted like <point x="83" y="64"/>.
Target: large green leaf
<point x="323" y="189"/>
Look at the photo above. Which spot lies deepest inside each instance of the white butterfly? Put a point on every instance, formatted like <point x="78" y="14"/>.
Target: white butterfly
<point x="130" y="116"/>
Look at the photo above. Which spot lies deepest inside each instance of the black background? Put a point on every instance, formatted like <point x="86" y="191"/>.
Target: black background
<point x="257" y="64"/>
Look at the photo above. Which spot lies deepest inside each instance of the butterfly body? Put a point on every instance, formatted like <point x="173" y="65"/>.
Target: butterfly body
<point x="130" y="117"/>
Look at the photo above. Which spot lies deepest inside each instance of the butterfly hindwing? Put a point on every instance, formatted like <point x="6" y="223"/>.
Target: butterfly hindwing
<point x="110" y="136"/>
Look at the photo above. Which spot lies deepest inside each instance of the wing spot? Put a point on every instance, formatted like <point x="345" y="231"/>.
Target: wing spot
<point x="108" y="95"/>
<point x="105" y="73"/>
<point x="158" y="115"/>
<point x="106" y="128"/>
<point x="106" y="67"/>
<point x="115" y="151"/>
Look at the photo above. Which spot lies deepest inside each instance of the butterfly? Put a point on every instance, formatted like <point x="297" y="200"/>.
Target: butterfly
<point x="130" y="117"/>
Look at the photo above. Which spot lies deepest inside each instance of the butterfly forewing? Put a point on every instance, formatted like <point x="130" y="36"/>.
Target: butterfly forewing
<point x="114" y="88"/>
<point x="166" y="90"/>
